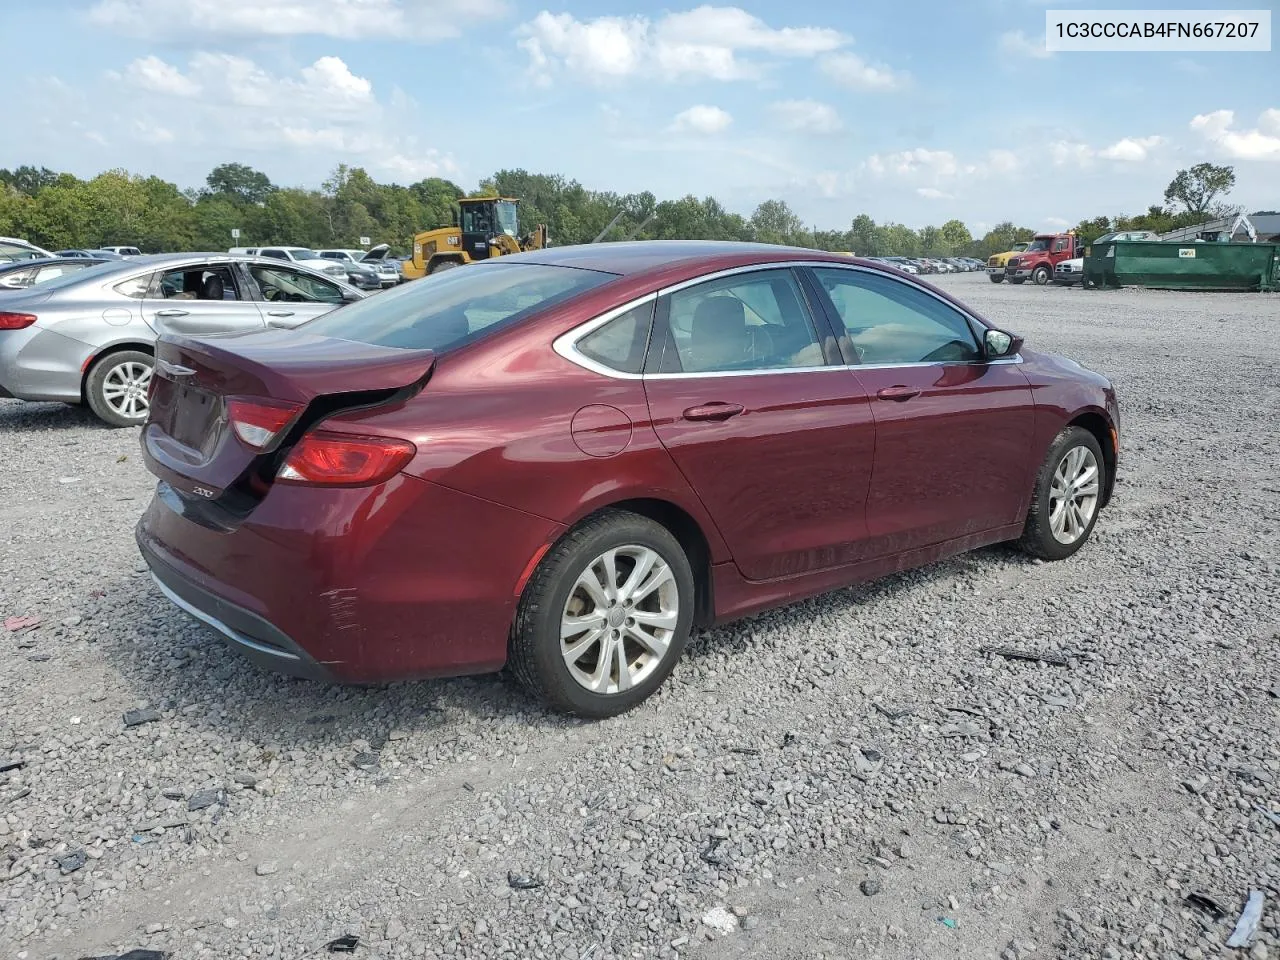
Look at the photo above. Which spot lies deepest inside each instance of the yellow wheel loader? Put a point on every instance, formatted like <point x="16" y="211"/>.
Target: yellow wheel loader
<point x="487" y="227"/>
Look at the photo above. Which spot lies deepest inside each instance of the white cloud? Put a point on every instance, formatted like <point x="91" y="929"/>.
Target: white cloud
<point x="200" y="21"/>
<point x="1015" y="43"/>
<point x="807" y="116"/>
<point x="1262" y="143"/>
<point x="701" y="119"/>
<point x="933" y="193"/>
<point x="1130" y="149"/>
<point x="152" y="73"/>
<point x="1068" y="153"/>
<point x="1057" y="223"/>
<point x="330" y="111"/>
<point x="1002" y="161"/>
<point x="850" y="70"/>
<point x="718" y="43"/>
<point x="917" y="163"/>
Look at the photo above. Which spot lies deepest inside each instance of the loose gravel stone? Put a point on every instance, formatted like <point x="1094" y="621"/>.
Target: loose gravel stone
<point x="789" y="755"/>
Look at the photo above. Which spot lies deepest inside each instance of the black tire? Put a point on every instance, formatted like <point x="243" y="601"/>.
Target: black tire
<point x="535" y="656"/>
<point x="996" y="278"/>
<point x="96" y="382"/>
<point x="1038" y="539"/>
<point x="443" y="265"/>
<point x="1041" y="275"/>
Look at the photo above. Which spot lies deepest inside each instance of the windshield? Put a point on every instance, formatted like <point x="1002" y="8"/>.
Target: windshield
<point x="1037" y="245"/>
<point x="302" y="253"/>
<point x="508" y="220"/>
<point x="335" y="255"/>
<point x="456" y="307"/>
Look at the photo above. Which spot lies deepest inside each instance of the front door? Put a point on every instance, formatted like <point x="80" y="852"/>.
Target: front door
<point x="953" y="433"/>
<point x="773" y="436"/>
<point x="200" y="299"/>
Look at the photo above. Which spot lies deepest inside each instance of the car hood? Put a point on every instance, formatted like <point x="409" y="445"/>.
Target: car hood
<point x="1076" y="262"/>
<point x="376" y="253"/>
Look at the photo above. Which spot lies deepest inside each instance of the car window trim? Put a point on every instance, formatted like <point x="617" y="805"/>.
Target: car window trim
<point x="566" y="343"/>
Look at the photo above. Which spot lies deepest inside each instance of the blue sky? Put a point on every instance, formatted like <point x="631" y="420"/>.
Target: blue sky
<point x="915" y="112"/>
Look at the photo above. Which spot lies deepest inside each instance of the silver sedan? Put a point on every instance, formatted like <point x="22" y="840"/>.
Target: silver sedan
<point x="89" y="337"/>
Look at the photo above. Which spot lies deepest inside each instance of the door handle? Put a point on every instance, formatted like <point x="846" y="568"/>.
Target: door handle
<point x="172" y="313"/>
<point x="715" y="411"/>
<point x="898" y="392"/>
<point x="279" y="313"/>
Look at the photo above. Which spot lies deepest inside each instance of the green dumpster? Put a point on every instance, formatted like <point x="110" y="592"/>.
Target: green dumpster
<point x="1169" y="265"/>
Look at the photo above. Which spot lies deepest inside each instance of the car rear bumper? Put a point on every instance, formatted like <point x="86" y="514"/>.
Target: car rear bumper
<point x="259" y="640"/>
<point x="39" y="364"/>
<point x="402" y="580"/>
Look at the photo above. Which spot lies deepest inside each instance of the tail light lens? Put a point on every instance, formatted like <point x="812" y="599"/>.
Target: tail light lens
<point x="16" y="321"/>
<point x="342" y="460"/>
<point x="258" y="423"/>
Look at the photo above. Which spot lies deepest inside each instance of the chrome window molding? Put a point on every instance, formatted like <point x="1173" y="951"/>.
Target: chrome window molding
<point x="566" y="344"/>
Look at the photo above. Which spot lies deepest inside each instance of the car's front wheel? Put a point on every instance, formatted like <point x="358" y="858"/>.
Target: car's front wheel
<point x="1041" y="276"/>
<point x="996" y="278"/>
<point x="116" y="387"/>
<point x="605" y="616"/>
<point x="1067" y="496"/>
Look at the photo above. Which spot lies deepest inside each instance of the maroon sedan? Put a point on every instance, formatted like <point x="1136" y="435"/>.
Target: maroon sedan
<point x="567" y="460"/>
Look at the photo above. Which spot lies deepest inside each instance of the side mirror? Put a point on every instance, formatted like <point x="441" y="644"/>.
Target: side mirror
<point x="997" y="344"/>
<point x="350" y="296"/>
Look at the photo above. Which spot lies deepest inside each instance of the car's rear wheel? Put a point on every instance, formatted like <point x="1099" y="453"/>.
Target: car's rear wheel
<point x="605" y="616"/>
<point x="1067" y="496"/>
<point x="116" y="388"/>
<point x="1041" y="275"/>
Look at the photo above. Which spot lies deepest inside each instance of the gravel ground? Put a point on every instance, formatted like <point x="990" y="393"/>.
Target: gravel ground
<point x="851" y="776"/>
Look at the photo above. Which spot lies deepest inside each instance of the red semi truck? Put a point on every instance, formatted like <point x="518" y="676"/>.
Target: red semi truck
<point x="1041" y="256"/>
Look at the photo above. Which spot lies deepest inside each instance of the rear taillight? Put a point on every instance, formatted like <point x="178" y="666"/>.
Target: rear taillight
<point x="258" y="423"/>
<point x="341" y="460"/>
<point x="16" y="321"/>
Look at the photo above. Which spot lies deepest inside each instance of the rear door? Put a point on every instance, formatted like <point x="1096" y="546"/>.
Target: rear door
<point x="953" y="432"/>
<point x="748" y="395"/>
<point x="289" y="296"/>
<point x="200" y="299"/>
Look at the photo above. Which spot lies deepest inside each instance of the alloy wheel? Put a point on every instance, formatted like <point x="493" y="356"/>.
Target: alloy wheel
<point x="619" y="619"/>
<point x="1073" y="495"/>
<point x="124" y="389"/>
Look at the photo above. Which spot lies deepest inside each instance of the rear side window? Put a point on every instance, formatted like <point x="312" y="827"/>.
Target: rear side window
<point x="135" y="288"/>
<point x="620" y="344"/>
<point x="455" y="307"/>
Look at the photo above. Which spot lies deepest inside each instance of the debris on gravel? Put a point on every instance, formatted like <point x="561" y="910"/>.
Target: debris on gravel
<point x="1032" y="808"/>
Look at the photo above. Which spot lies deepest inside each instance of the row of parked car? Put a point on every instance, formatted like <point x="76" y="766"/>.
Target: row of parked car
<point x="931" y="265"/>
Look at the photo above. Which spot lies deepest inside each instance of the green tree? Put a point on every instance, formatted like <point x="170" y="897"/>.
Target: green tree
<point x="775" y="222"/>
<point x="239" y="183"/>
<point x="931" y="241"/>
<point x="1199" y="187"/>
<point x="865" y="238"/>
<point x="28" y="180"/>
<point x="955" y="237"/>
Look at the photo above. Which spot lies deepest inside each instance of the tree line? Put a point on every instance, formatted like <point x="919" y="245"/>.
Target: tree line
<point x="59" y="211"/>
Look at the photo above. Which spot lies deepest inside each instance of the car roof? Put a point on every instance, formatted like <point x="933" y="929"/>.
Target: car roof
<point x="628" y="258"/>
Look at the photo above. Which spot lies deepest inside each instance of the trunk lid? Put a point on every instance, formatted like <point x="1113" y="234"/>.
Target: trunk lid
<point x="188" y="439"/>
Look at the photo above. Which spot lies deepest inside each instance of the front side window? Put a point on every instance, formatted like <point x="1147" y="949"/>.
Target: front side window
<point x="199" y="283"/>
<point x="12" y="252"/>
<point x="889" y="321"/>
<point x="454" y="307"/>
<point x="620" y="343"/>
<point x="281" y="285"/>
<point x="752" y="321"/>
<point x="1060" y="244"/>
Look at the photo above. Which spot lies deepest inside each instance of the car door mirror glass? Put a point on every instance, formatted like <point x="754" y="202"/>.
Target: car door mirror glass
<point x="1000" y="344"/>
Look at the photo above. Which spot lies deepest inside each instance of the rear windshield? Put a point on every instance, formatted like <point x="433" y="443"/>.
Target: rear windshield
<point x="455" y="307"/>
